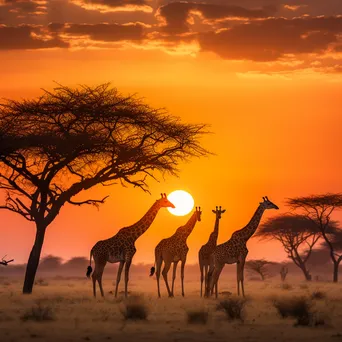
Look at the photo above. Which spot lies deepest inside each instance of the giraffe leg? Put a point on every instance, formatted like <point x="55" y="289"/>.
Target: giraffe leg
<point x="174" y="276"/>
<point x="97" y="276"/>
<point x="215" y="277"/>
<point x="118" y="277"/>
<point x="216" y="290"/>
<point x="238" y="277"/>
<point x="164" y="273"/>
<point x="182" y="275"/>
<point x="201" y="270"/>
<point x="127" y="267"/>
<point x="159" y="262"/>
<point x="242" y="267"/>
<point x="206" y="269"/>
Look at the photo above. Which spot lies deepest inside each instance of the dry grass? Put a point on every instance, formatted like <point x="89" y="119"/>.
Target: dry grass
<point x="77" y="316"/>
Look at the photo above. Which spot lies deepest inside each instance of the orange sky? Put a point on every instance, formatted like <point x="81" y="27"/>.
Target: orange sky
<point x="277" y="132"/>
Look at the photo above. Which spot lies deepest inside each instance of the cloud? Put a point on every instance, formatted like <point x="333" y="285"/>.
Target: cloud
<point x="176" y="17"/>
<point x="104" y="6"/>
<point x="27" y="37"/>
<point x="272" y="39"/>
<point x="105" y="32"/>
<point x="25" y="7"/>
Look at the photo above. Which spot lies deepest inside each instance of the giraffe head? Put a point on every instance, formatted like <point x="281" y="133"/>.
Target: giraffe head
<point x="267" y="204"/>
<point x="218" y="212"/>
<point x="164" y="202"/>
<point x="198" y="214"/>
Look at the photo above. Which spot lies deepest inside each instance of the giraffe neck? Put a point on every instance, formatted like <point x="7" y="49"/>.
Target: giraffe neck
<point x="214" y="235"/>
<point x="247" y="232"/>
<point x="144" y="223"/>
<point x="184" y="231"/>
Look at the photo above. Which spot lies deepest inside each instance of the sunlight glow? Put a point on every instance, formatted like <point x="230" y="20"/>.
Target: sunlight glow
<point x="183" y="202"/>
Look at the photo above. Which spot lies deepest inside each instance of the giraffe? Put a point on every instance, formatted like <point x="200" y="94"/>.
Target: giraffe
<point x="173" y="250"/>
<point x="120" y="248"/>
<point x="207" y="249"/>
<point x="235" y="250"/>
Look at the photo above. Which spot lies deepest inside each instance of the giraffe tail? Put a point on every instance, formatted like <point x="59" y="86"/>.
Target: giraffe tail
<point x="153" y="269"/>
<point x="89" y="268"/>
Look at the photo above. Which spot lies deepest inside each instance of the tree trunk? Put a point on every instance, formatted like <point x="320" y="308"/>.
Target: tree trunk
<point x="306" y="273"/>
<point x="335" y="278"/>
<point x="33" y="260"/>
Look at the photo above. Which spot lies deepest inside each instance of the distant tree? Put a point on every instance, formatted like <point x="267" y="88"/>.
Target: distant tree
<point x="283" y="272"/>
<point x="259" y="266"/>
<point x="5" y="262"/>
<point x="50" y="262"/>
<point x="319" y="209"/>
<point x="69" y="140"/>
<point x="296" y="233"/>
<point x="76" y="263"/>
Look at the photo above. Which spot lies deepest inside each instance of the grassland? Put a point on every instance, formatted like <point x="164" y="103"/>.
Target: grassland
<point x="64" y="310"/>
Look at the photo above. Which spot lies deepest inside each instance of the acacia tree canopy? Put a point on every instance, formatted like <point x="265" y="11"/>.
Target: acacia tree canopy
<point x="69" y="140"/>
<point x="318" y="209"/>
<point x="298" y="235"/>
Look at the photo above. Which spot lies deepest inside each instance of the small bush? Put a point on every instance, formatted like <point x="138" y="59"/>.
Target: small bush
<point x="197" y="317"/>
<point x="318" y="295"/>
<point x="300" y="309"/>
<point x="304" y="286"/>
<point x="233" y="308"/>
<point x="286" y="286"/>
<point x="41" y="282"/>
<point x="39" y="313"/>
<point x="135" y="309"/>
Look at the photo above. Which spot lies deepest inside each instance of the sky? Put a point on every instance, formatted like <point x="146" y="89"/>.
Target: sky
<point x="265" y="74"/>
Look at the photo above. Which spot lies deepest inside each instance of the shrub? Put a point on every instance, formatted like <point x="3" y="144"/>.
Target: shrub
<point x="41" y="282"/>
<point x="318" y="295"/>
<point x="39" y="313"/>
<point x="135" y="309"/>
<point x="233" y="308"/>
<point x="300" y="309"/>
<point x="197" y="317"/>
<point x="286" y="286"/>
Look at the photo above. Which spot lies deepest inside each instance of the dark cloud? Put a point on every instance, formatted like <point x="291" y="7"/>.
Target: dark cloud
<point x="27" y="37"/>
<point x="271" y="39"/>
<point x="177" y="14"/>
<point x="107" y="32"/>
<point x="112" y="5"/>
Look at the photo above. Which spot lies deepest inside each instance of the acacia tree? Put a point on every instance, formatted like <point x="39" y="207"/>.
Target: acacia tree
<point x="69" y="140"/>
<point x="296" y="233"/>
<point x="319" y="209"/>
<point x="259" y="266"/>
<point x="5" y="262"/>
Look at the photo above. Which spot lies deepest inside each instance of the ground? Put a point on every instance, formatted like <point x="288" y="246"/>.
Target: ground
<point x="77" y="316"/>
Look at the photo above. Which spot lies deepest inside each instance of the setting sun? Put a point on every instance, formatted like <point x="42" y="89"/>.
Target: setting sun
<point x="183" y="202"/>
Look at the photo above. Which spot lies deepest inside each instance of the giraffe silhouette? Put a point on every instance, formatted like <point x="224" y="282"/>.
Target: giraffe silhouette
<point x="207" y="249"/>
<point x="173" y="250"/>
<point x="120" y="248"/>
<point x="235" y="250"/>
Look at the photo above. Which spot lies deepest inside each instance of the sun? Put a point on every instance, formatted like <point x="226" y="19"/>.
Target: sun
<point x="183" y="202"/>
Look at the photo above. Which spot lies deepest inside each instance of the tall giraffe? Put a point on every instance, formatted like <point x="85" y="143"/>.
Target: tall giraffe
<point x="207" y="249"/>
<point x="120" y="248"/>
<point x="173" y="250"/>
<point x="235" y="250"/>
